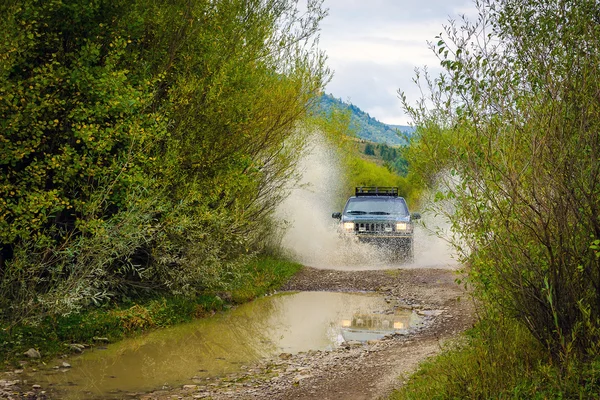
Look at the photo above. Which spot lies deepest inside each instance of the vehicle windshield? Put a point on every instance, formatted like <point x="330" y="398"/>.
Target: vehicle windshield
<point x="376" y="206"/>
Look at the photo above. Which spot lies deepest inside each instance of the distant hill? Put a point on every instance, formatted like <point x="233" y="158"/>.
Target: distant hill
<point x="367" y="127"/>
<point x="407" y="129"/>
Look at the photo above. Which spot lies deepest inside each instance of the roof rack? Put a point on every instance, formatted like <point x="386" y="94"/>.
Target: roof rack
<point x="376" y="191"/>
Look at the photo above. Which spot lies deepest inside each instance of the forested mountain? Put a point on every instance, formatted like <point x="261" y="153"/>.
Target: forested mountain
<point x="392" y="157"/>
<point x="367" y="127"/>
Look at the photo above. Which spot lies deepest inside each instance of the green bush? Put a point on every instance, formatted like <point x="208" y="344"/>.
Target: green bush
<point x="500" y="359"/>
<point x="144" y="145"/>
<point x="511" y="143"/>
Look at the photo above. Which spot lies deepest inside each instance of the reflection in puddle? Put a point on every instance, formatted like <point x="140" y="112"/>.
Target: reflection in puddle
<point x="286" y="323"/>
<point x="364" y="327"/>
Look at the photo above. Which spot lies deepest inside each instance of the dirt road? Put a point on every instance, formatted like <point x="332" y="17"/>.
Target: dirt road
<point x="352" y="372"/>
<point x="355" y="371"/>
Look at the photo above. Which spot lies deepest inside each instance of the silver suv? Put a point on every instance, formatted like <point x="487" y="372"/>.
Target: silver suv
<point x="379" y="216"/>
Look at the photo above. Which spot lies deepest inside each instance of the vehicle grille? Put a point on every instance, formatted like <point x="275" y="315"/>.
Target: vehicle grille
<point x="373" y="227"/>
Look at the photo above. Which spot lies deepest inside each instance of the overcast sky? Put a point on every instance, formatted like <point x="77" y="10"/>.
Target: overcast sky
<point x="373" y="46"/>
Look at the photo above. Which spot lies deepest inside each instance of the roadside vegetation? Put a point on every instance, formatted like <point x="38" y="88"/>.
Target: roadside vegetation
<point x="508" y="138"/>
<point x="500" y="359"/>
<point x="392" y="157"/>
<point x="143" y="148"/>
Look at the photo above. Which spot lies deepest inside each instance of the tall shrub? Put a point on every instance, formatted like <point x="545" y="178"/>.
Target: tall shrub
<point x="510" y="131"/>
<point x="144" y="143"/>
<point x="75" y="133"/>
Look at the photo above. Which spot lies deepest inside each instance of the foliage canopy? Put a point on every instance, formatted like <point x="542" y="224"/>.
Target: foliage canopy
<point x="144" y="143"/>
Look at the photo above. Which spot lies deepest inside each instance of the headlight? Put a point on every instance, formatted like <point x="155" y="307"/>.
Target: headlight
<point x="401" y="226"/>
<point x="348" y="226"/>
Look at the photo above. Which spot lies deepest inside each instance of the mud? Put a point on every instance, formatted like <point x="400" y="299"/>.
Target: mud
<point x="354" y="371"/>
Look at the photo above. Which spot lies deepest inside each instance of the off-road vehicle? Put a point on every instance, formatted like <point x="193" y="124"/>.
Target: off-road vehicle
<point x="377" y="215"/>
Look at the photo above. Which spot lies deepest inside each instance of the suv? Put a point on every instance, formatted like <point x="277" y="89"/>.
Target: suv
<point x="377" y="215"/>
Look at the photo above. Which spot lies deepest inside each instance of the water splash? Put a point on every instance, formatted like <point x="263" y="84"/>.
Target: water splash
<point x="312" y="237"/>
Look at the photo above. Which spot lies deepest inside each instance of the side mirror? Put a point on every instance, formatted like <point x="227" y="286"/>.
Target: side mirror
<point x="336" y="215"/>
<point x="415" y="215"/>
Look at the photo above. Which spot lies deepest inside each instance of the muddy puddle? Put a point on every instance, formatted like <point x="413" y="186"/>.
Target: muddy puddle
<point x="285" y="323"/>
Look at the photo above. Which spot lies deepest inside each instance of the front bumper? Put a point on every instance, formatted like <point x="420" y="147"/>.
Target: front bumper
<point x="396" y="241"/>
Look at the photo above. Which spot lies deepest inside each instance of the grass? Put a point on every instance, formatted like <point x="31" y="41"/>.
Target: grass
<point x="266" y="275"/>
<point x="501" y="360"/>
<point x="53" y="335"/>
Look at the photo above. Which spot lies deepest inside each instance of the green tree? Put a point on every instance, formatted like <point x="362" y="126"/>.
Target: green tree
<point x="369" y="150"/>
<point x="510" y="135"/>
<point x="334" y="124"/>
<point x="76" y="130"/>
<point x="236" y="96"/>
<point x="144" y="144"/>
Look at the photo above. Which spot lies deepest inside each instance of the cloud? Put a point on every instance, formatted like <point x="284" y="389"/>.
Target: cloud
<point x="373" y="48"/>
<point x="373" y="87"/>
